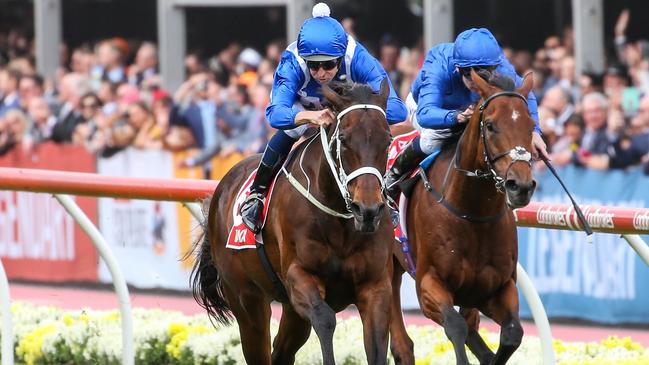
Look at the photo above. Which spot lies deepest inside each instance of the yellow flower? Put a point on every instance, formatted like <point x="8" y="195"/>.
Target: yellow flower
<point x="30" y="346"/>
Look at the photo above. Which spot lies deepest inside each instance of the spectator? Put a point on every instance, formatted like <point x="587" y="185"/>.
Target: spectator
<point x="42" y="120"/>
<point x="558" y="101"/>
<point x="595" y="111"/>
<point x="30" y="87"/>
<point x="389" y="57"/>
<point x="10" y="99"/>
<point x="84" y="132"/>
<point x="146" y="64"/>
<point x="73" y="87"/>
<point x="108" y="64"/>
<point x="565" y="149"/>
<point x="13" y="130"/>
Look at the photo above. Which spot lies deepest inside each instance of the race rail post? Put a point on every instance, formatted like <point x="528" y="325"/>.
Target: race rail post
<point x="128" y="349"/>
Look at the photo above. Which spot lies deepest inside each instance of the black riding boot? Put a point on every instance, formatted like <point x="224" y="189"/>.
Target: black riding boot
<point x="253" y="206"/>
<point x="405" y="163"/>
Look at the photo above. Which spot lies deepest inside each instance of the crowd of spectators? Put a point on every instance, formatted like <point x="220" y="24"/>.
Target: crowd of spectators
<point x="109" y="96"/>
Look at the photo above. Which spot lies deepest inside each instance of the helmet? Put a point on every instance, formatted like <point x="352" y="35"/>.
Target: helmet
<point x="321" y="38"/>
<point x="476" y="47"/>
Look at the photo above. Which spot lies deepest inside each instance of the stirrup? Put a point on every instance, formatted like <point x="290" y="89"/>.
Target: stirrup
<point x="254" y="200"/>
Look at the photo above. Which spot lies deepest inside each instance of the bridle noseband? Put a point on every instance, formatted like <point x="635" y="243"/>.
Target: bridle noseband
<point x="516" y="154"/>
<point x="340" y="176"/>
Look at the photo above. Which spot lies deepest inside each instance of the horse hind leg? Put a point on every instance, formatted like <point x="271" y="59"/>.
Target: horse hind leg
<point x="503" y="309"/>
<point x="474" y="341"/>
<point x="401" y="345"/>
<point x="252" y="311"/>
<point x="293" y="333"/>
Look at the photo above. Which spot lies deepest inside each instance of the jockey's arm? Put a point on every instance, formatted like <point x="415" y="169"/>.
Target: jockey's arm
<point x="430" y="112"/>
<point x="366" y="69"/>
<point x="281" y="112"/>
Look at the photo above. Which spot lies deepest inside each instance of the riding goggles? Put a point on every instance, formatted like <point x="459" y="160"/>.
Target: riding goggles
<point x="326" y="65"/>
<point x="466" y="71"/>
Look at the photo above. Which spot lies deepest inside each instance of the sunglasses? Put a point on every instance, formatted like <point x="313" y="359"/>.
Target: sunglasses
<point x="89" y="106"/>
<point x="466" y="72"/>
<point x="326" y="65"/>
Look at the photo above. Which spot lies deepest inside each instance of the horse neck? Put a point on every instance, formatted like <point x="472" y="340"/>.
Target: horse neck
<point x="324" y="186"/>
<point x="470" y="194"/>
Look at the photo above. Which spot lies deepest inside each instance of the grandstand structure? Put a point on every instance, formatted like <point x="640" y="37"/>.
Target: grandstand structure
<point x="438" y="26"/>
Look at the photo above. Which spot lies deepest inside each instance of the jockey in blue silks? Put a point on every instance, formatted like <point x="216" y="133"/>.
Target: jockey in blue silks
<point x="443" y="95"/>
<point x="323" y="52"/>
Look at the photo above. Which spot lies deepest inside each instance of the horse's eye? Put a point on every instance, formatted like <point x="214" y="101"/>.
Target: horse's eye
<point x="490" y="127"/>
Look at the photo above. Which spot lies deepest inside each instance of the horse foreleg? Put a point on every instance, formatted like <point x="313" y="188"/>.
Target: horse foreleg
<point x="474" y="341"/>
<point x="252" y="310"/>
<point x="400" y="343"/>
<point x="293" y="333"/>
<point x="373" y="301"/>
<point x="437" y="304"/>
<point x="503" y="309"/>
<point x="307" y="296"/>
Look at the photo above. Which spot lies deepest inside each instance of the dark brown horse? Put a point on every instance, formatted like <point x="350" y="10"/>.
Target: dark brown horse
<point x="325" y="262"/>
<point x="462" y="231"/>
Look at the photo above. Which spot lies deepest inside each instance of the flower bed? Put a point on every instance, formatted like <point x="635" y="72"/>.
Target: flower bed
<point x="48" y="335"/>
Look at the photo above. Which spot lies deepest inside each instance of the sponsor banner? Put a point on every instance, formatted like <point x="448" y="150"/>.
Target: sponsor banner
<point x="38" y="239"/>
<point x="605" y="219"/>
<point x="602" y="281"/>
<point x="145" y="236"/>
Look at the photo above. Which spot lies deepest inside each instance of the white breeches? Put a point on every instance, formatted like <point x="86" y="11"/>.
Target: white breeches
<point x="430" y="139"/>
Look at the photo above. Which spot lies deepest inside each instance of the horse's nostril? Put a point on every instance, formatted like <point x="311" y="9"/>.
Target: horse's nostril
<point x="380" y="208"/>
<point x="511" y="185"/>
<point x="356" y="208"/>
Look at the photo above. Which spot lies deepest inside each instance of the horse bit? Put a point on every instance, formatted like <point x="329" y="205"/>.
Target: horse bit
<point x="517" y="153"/>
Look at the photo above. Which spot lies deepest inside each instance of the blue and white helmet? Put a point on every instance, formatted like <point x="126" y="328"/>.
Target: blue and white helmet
<point x="321" y="38"/>
<point x="476" y="47"/>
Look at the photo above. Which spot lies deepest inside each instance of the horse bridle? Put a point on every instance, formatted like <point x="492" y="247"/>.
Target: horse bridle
<point x="340" y="176"/>
<point x="516" y="154"/>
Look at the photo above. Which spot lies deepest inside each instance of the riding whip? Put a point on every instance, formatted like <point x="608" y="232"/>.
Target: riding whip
<point x="580" y="214"/>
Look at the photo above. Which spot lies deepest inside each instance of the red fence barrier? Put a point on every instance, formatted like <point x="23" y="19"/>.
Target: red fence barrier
<point x="601" y="218"/>
<point x="541" y="215"/>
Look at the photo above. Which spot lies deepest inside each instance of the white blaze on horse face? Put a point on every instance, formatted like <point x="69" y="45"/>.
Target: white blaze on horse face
<point x="515" y="115"/>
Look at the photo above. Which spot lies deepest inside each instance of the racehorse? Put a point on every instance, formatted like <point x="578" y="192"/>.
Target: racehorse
<point x="461" y="229"/>
<point x="325" y="260"/>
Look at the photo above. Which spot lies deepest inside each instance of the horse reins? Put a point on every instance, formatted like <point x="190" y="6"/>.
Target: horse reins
<point x="341" y="178"/>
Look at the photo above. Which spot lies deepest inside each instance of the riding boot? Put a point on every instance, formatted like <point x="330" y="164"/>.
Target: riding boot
<point x="253" y="206"/>
<point x="404" y="164"/>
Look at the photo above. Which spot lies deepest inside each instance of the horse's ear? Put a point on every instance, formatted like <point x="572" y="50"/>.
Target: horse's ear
<point x="337" y="101"/>
<point x="528" y="83"/>
<point x="484" y="89"/>
<point x="384" y="93"/>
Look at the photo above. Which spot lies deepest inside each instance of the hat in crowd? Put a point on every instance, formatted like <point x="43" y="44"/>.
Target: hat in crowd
<point x="321" y="38"/>
<point x="250" y="57"/>
<point x="476" y="47"/>
<point x="160" y="94"/>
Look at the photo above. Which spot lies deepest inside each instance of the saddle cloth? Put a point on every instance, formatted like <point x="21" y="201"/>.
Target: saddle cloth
<point x="397" y="145"/>
<point x="240" y="237"/>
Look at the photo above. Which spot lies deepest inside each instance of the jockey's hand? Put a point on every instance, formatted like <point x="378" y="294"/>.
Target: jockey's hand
<point x="322" y="117"/>
<point x="539" y="147"/>
<point x="465" y="116"/>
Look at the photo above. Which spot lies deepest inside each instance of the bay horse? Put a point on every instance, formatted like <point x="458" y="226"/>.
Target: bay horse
<point x="462" y="231"/>
<point x="325" y="261"/>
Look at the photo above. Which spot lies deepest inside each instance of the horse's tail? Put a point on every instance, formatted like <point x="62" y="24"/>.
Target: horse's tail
<point x="205" y="280"/>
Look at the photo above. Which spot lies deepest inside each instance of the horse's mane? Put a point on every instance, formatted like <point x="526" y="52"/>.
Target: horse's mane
<point x="498" y="80"/>
<point x="361" y="93"/>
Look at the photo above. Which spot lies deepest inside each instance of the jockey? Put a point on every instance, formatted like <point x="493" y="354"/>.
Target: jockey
<point x="443" y="95"/>
<point x="323" y="52"/>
